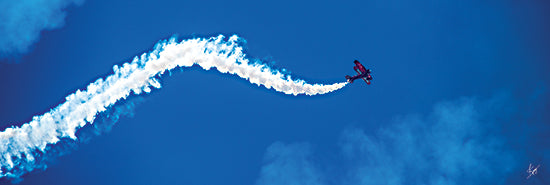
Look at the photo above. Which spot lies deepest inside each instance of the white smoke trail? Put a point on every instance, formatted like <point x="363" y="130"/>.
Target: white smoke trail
<point x="20" y="146"/>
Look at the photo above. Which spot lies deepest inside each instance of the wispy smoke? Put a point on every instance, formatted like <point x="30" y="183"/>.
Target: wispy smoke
<point x="460" y="142"/>
<point x="19" y="146"/>
<point x="23" y="20"/>
<point x="289" y="164"/>
<point x="104" y="122"/>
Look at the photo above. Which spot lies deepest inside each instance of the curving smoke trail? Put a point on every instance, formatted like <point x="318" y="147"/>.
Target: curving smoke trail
<point x="21" y="146"/>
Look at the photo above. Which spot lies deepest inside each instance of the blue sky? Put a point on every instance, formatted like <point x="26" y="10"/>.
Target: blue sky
<point x="459" y="94"/>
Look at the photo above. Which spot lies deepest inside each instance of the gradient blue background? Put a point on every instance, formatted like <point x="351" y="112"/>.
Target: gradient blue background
<point x="207" y="128"/>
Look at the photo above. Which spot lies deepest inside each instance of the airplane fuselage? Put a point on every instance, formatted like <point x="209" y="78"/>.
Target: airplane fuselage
<point x="360" y="76"/>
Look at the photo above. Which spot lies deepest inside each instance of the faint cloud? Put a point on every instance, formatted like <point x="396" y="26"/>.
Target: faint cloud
<point x="23" y="20"/>
<point x="455" y="144"/>
<point x="466" y="141"/>
<point x="290" y="165"/>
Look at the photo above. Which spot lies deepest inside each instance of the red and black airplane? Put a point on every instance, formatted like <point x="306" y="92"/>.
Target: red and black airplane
<point x="361" y="73"/>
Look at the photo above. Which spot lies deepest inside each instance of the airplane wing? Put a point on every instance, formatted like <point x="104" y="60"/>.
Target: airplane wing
<point x="360" y="67"/>
<point x="365" y="79"/>
<point x="357" y="70"/>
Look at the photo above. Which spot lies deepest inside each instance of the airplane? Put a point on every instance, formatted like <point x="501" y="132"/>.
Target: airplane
<point x="532" y="170"/>
<point x="361" y="73"/>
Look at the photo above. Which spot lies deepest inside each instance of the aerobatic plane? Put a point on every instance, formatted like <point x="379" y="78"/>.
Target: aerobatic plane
<point x="361" y="73"/>
<point x="532" y="170"/>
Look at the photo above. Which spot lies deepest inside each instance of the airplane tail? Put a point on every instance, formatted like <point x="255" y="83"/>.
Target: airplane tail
<point x="349" y="79"/>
